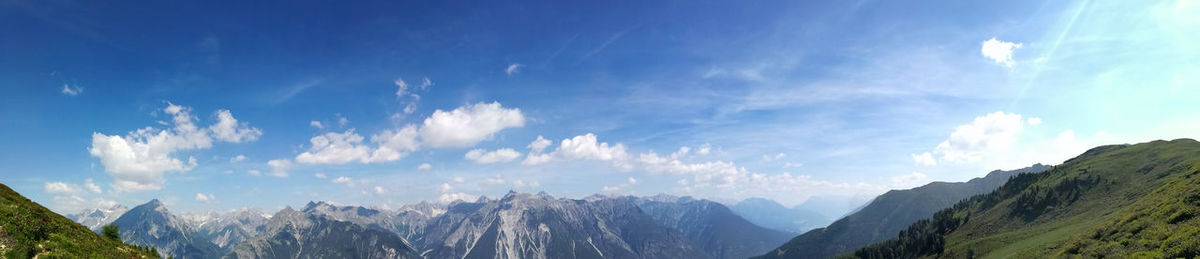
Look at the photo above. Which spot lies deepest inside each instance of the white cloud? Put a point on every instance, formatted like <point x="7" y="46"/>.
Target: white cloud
<point x="410" y="108"/>
<point x="229" y="130"/>
<point x="279" y="167"/>
<point x="401" y="87"/>
<point x="71" y="198"/>
<point x="513" y="68"/>
<point x="426" y="83"/>
<point x="60" y="188"/>
<point x="485" y="157"/>
<point x="999" y="51"/>
<point x="587" y="147"/>
<point x="924" y="159"/>
<point x="91" y="186"/>
<point x="379" y="190"/>
<point x="316" y="124"/>
<point x="342" y="121"/>
<point x="995" y="132"/>
<point x="335" y="148"/>
<point x="237" y="158"/>
<point x="451" y="197"/>
<point x="909" y="180"/>
<point x="537" y="159"/>
<point x="424" y="167"/>
<point x="138" y="160"/>
<point x="319" y="175"/>
<point x="468" y="125"/>
<point x="539" y="144"/>
<point x="254" y="172"/>
<point x="774" y="157"/>
<point x="1034" y="121"/>
<point x="71" y="90"/>
<point x="205" y="198"/>
<point x="394" y="145"/>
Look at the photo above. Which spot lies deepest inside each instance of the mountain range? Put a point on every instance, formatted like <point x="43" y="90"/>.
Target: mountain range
<point x="517" y="225"/>
<point x="888" y="214"/>
<point x="1117" y="201"/>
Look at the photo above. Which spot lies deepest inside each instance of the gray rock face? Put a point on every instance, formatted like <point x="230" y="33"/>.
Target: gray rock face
<point x="229" y="229"/>
<point x="539" y="226"/>
<point x="95" y="218"/>
<point x="294" y="234"/>
<point x="152" y="224"/>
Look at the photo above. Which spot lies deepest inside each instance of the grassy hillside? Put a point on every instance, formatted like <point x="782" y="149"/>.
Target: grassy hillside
<point x="1112" y="201"/>
<point x="888" y="214"/>
<point x="28" y="230"/>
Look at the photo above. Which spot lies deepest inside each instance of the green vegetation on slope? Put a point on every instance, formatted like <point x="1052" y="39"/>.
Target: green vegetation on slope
<point x="28" y="230"/>
<point x="889" y="214"/>
<point x="1113" y="201"/>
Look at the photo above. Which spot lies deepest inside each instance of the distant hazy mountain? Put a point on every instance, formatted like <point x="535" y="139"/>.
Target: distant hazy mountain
<point x="712" y="227"/>
<point x="889" y="213"/>
<point x="294" y="234"/>
<point x="1117" y="201"/>
<point x="771" y="214"/>
<point x="540" y="226"/>
<point x="152" y="224"/>
<point x="28" y="230"/>
<point x="95" y="218"/>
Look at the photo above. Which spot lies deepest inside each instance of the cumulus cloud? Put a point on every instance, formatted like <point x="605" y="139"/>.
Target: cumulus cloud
<point x="587" y="147"/>
<point x="994" y="132"/>
<point x="999" y="51"/>
<point x="924" y="159"/>
<point x="60" y="188"/>
<point x="138" y="160"/>
<point x="539" y="144"/>
<point x="487" y="157"/>
<point x="229" y="130"/>
<point x="335" y="148"/>
<point x="513" y="68"/>
<point x="1034" y="121"/>
<point x="394" y="145"/>
<point x="468" y="125"/>
<point x="237" y="158"/>
<point x="71" y="90"/>
<point x="71" y="198"/>
<point x="316" y="124"/>
<point x="279" y="167"/>
<point x="205" y="198"/>
<point x="424" y="167"/>
<point x="379" y="190"/>
<point x="91" y="186"/>
<point x="319" y="175"/>
<point x="253" y="172"/>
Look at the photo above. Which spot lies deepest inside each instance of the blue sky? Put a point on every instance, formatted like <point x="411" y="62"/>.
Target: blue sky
<point x="213" y="106"/>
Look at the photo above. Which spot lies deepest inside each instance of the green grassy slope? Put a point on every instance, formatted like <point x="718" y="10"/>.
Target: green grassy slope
<point x="28" y="230"/>
<point x="888" y="214"/>
<point x="1112" y="201"/>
